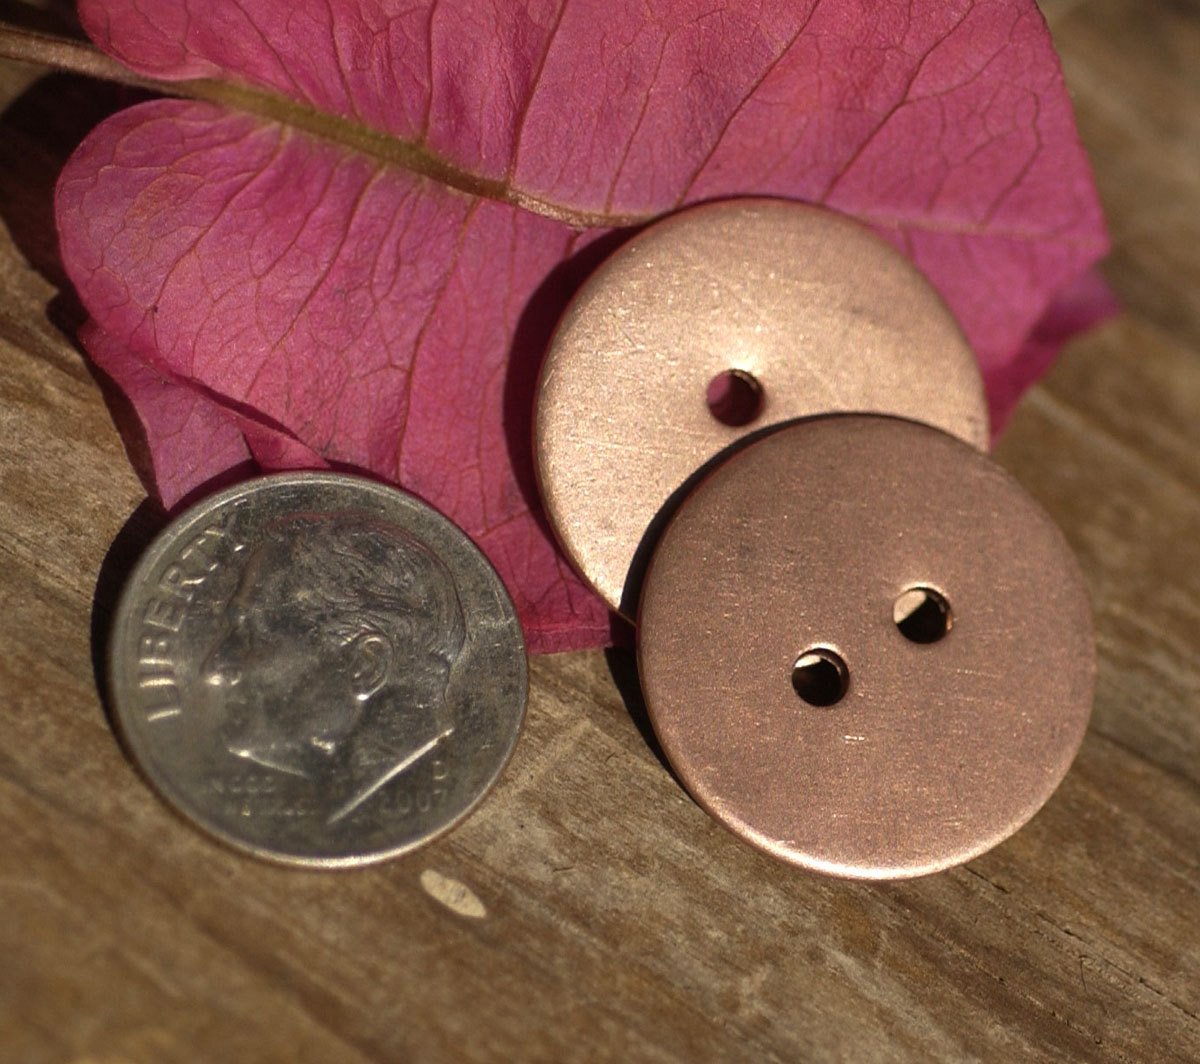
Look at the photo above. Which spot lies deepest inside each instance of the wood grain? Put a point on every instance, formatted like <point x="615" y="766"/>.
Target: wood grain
<point x="619" y="922"/>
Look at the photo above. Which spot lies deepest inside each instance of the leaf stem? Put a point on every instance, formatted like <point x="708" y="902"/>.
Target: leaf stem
<point x="72" y="57"/>
<point x="76" y="57"/>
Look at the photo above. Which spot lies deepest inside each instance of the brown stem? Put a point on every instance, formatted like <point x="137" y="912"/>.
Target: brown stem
<point x="74" y="57"/>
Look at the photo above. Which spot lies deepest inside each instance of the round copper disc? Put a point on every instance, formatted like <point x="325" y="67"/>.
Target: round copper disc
<point x="806" y="306"/>
<point x="801" y="549"/>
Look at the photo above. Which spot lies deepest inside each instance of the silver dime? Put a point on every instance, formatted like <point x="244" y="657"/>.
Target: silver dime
<point x="318" y="669"/>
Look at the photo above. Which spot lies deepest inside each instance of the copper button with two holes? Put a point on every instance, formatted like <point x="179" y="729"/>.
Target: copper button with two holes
<point x="865" y="649"/>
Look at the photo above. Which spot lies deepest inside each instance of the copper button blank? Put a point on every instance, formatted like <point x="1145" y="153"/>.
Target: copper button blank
<point x="810" y="311"/>
<point x="809" y="549"/>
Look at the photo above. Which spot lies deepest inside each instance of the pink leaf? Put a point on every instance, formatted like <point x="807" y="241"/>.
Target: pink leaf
<point x="357" y="255"/>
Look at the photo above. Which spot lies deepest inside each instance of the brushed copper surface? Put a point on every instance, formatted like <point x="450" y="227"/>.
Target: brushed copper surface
<point x="808" y="306"/>
<point x="797" y="553"/>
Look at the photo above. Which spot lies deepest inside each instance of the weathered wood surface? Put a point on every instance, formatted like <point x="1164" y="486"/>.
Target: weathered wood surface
<point x="620" y="922"/>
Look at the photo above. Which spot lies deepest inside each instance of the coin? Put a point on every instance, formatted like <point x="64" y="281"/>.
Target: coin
<point x="865" y="649"/>
<point x="710" y="326"/>
<point x="318" y="669"/>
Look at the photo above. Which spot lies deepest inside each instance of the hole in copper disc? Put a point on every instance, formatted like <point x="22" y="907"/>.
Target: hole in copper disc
<point x="820" y="676"/>
<point x="734" y="397"/>
<point x="922" y="615"/>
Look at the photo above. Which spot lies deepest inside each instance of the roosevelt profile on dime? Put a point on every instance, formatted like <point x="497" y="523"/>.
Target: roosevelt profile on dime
<point x="318" y="668"/>
<point x="335" y="655"/>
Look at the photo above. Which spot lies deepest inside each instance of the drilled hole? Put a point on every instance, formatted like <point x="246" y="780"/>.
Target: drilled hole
<point x="734" y="397"/>
<point x="820" y="676"/>
<point x="922" y="615"/>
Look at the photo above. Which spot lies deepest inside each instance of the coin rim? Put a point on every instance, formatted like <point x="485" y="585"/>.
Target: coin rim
<point x="176" y="799"/>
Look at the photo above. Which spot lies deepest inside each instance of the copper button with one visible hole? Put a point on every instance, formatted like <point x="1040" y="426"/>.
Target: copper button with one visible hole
<point x="715" y="323"/>
<point x="791" y="690"/>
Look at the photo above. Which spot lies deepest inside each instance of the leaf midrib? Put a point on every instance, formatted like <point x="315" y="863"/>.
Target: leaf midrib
<point x="78" y="57"/>
<point x="387" y="148"/>
<point x="416" y="157"/>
